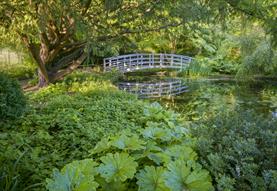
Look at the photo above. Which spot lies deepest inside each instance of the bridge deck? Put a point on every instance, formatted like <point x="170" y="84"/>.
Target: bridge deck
<point x="133" y="62"/>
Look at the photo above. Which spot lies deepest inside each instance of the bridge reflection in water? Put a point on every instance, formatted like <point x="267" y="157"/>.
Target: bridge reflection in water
<point x="157" y="89"/>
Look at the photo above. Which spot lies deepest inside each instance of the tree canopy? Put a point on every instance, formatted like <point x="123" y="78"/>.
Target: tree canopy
<point x="62" y="34"/>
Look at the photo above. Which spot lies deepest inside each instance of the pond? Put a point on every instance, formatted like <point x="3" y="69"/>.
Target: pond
<point x="202" y="98"/>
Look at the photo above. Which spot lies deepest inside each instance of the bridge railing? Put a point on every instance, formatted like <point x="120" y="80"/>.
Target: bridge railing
<point x="154" y="89"/>
<point x="132" y="62"/>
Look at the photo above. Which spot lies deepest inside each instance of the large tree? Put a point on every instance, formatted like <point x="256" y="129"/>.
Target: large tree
<point x="62" y="34"/>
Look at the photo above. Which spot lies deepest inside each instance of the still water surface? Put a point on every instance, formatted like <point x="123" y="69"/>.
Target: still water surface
<point x="203" y="97"/>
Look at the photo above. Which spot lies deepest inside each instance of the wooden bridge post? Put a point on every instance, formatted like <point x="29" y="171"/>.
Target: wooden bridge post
<point x="110" y="63"/>
<point x="152" y="60"/>
<point x="129" y="64"/>
<point x="181" y="63"/>
<point x="104" y="65"/>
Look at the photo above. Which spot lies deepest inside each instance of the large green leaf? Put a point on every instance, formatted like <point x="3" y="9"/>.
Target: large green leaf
<point x="157" y="133"/>
<point x="181" y="152"/>
<point x="199" y="181"/>
<point x="128" y="142"/>
<point x="180" y="176"/>
<point x="118" y="166"/>
<point x="113" y="185"/>
<point x="77" y="176"/>
<point x="151" y="179"/>
<point x="101" y="146"/>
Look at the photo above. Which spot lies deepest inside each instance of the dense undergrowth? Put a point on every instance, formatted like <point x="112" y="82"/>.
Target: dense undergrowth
<point x="105" y="139"/>
<point x="63" y="122"/>
<point x="24" y="70"/>
<point x="157" y="156"/>
<point x="12" y="100"/>
<point x="239" y="150"/>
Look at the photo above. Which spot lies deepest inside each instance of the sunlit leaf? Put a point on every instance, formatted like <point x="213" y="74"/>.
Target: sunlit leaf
<point x="151" y="179"/>
<point x="78" y="175"/>
<point x="118" y="166"/>
<point x="128" y="142"/>
<point x="181" y="152"/>
<point x="181" y="176"/>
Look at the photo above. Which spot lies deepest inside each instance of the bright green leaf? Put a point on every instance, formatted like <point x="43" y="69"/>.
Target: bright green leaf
<point x="77" y="176"/>
<point x="151" y="179"/>
<point x="118" y="166"/>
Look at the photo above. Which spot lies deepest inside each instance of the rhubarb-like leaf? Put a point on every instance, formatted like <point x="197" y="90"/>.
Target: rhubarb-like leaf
<point x="118" y="166"/>
<point x="128" y="142"/>
<point x="101" y="146"/>
<point x="181" y="152"/>
<point x="157" y="133"/>
<point x="181" y="176"/>
<point x="151" y="179"/>
<point x="77" y="176"/>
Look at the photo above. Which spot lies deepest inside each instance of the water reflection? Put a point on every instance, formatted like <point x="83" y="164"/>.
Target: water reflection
<point x="155" y="89"/>
<point x="209" y="97"/>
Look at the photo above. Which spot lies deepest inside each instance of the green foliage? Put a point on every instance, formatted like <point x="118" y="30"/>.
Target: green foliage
<point x="20" y="71"/>
<point x="151" y="178"/>
<point x="12" y="100"/>
<point x="238" y="149"/>
<point x="9" y="179"/>
<point x="187" y="176"/>
<point x="199" y="67"/>
<point x="63" y="123"/>
<point x="138" y="161"/>
<point x="260" y="58"/>
<point x="79" y="175"/>
<point x="117" y="167"/>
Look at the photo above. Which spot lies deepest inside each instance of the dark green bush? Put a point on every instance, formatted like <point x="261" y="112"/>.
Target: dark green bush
<point x="239" y="149"/>
<point x="12" y="99"/>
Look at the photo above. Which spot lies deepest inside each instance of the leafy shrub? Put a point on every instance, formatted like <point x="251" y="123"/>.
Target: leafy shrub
<point x="158" y="156"/>
<point x="63" y="123"/>
<point x="24" y="70"/>
<point x="12" y="100"/>
<point x="239" y="149"/>
<point x="199" y="67"/>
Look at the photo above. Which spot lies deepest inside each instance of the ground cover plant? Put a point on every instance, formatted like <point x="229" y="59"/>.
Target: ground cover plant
<point x="72" y="129"/>
<point x="62" y="123"/>
<point x="158" y="156"/>
<point x="75" y="125"/>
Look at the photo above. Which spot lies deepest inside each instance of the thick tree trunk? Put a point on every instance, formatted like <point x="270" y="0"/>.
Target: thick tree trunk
<point x="59" y="52"/>
<point x="42" y="82"/>
<point x="60" y="65"/>
<point x="56" y="60"/>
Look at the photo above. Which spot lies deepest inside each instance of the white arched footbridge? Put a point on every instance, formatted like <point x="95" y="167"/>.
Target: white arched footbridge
<point x="133" y="62"/>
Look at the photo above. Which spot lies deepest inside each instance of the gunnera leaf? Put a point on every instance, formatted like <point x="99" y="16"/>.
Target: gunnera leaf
<point x="78" y="176"/>
<point x="118" y="166"/>
<point x="151" y="179"/>
<point x="181" y="152"/>
<point x="181" y="176"/>
<point x="111" y="186"/>
<point x="128" y="142"/>
<point x="101" y="146"/>
<point x="156" y="133"/>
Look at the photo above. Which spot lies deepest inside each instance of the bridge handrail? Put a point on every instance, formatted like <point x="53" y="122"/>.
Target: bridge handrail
<point x="131" y="62"/>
